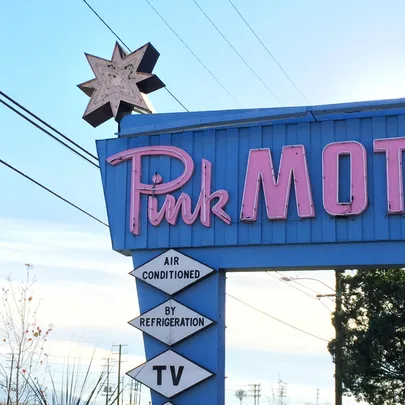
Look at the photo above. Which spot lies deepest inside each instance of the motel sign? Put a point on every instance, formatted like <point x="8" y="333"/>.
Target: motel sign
<point x="191" y="196"/>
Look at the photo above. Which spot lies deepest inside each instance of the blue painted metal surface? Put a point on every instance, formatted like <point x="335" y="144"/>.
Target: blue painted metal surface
<point x="372" y="239"/>
<point x="227" y="148"/>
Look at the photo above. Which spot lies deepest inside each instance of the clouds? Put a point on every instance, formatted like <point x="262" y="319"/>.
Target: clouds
<point x="60" y="246"/>
<point x="86" y="292"/>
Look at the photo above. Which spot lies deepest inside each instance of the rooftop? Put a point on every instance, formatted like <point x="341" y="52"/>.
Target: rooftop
<point x="151" y="124"/>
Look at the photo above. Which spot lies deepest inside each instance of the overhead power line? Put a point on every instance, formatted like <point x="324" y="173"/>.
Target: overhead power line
<point x="103" y="21"/>
<point x="235" y="50"/>
<point x="52" y="192"/>
<point x="267" y="50"/>
<point x="103" y="223"/>
<point x="127" y="47"/>
<point x="47" y="125"/>
<point x="191" y="51"/>
<point x="306" y="287"/>
<point x="298" y="289"/>
<point x="48" y="133"/>
<point x="276" y="319"/>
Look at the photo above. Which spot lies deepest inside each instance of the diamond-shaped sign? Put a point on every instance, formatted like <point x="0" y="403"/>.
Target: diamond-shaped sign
<point x="171" y="322"/>
<point x="172" y="272"/>
<point x="169" y="374"/>
<point x="168" y="403"/>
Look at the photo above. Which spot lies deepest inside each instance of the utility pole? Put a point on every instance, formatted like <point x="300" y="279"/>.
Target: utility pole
<point x="138" y="388"/>
<point x="119" y="375"/>
<point x="338" y="334"/>
<point x="282" y="392"/>
<point x="108" y="381"/>
<point x="317" y="396"/>
<point x="131" y="388"/>
<point x="120" y="346"/>
<point x="256" y="392"/>
<point x="107" y="388"/>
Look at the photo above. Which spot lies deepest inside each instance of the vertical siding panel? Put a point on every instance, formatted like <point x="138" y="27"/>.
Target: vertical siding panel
<point x="303" y="138"/>
<point x="354" y="223"/>
<point x="380" y="212"/>
<point x="176" y="169"/>
<point x="279" y="140"/>
<point x="342" y="227"/>
<point x="243" y="228"/>
<point x="209" y="154"/>
<point x="267" y="226"/>
<point x="329" y="223"/>
<point x="164" y="166"/>
<point x="292" y="214"/>
<point x="198" y="154"/>
<point x="140" y="240"/>
<point x="315" y="175"/>
<point x="186" y="231"/>
<point x="255" y="230"/>
<point x="401" y="132"/>
<point x="105" y="174"/>
<point x="394" y="221"/>
<point x="219" y="173"/>
<point x="366" y="138"/>
<point x="231" y="184"/>
<point x="117" y="198"/>
<point x="102" y="156"/>
<point x="154" y="232"/>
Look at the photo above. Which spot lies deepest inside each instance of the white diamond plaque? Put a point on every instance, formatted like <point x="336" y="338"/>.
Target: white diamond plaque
<point x="169" y="374"/>
<point x="172" y="272"/>
<point x="171" y="322"/>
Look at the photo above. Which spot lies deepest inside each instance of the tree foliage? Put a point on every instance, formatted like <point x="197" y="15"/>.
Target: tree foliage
<point x="240" y="394"/>
<point x="372" y="335"/>
<point x="22" y="340"/>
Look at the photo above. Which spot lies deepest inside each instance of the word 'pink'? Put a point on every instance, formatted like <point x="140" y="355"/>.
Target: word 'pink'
<point x="171" y="208"/>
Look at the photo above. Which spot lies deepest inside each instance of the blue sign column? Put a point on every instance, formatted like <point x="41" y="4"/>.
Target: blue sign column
<point x="206" y="348"/>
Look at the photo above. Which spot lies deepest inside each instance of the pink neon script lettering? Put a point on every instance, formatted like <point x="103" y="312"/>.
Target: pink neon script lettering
<point x="170" y="208"/>
<point x="358" y="178"/>
<point x="260" y="171"/>
<point x="393" y="149"/>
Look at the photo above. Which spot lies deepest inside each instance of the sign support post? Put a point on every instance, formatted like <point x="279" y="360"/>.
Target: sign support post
<point x="204" y="348"/>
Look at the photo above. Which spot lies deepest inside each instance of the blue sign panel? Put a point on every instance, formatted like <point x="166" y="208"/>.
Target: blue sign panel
<point x="192" y="195"/>
<point x="219" y="145"/>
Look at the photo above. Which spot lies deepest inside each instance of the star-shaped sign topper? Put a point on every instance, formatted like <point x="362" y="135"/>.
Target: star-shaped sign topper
<point x="121" y="84"/>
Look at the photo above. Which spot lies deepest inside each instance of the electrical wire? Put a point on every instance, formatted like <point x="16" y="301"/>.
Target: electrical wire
<point x="237" y="53"/>
<point x="267" y="50"/>
<point x="103" y="21"/>
<point x="48" y="133"/>
<point x="52" y="192"/>
<point x="310" y="289"/>
<point x="103" y="223"/>
<point x="295" y="288"/>
<point x="302" y="285"/>
<point x="191" y="51"/>
<point x="47" y="125"/>
<point x="127" y="47"/>
<point x="185" y="108"/>
<point x="276" y="319"/>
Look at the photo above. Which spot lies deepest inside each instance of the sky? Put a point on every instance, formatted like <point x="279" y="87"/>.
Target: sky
<point x="334" y="52"/>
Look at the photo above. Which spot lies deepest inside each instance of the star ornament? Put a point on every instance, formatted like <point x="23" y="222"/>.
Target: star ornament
<point x="121" y="84"/>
